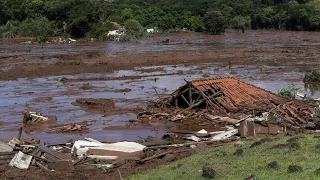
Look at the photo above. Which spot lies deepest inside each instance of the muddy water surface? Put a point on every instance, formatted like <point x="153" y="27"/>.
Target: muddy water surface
<point x="266" y="61"/>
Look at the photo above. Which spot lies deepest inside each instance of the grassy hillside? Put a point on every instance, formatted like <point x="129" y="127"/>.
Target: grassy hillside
<point x="285" y="151"/>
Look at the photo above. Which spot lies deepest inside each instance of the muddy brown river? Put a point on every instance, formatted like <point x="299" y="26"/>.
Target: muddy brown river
<point x="31" y="74"/>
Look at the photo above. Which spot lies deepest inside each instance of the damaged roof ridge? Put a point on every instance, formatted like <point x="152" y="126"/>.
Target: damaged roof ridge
<point x="201" y="82"/>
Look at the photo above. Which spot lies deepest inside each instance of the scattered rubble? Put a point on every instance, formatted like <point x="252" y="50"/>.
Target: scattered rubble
<point x="38" y="118"/>
<point x="68" y="128"/>
<point x="229" y="102"/>
<point x="240" y="110"/>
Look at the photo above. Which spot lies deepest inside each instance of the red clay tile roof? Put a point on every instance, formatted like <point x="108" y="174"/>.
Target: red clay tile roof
<point x="236" y="91"/>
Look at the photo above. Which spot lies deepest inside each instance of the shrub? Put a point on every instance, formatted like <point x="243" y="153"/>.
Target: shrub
<point x="311" y="77"/>
<point x="240" y="22"/>
<point x="10" y="30"/>
<point x="100" y="30"/>
<point x="288" y="91"/>
<point x="39" y="27"/>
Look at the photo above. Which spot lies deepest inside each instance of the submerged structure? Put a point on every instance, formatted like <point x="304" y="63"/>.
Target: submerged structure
<point x="222" y="95"/>
<point x="236" y="99"/>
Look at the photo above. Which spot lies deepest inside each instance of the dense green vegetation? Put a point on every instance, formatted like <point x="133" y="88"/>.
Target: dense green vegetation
<point x="92" y="18"/>
<point x="254" y="157"/>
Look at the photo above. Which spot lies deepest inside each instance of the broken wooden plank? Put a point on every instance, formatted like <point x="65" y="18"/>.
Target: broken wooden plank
<point x="154" y="156"/>
<point x="42" y="166"/>
<point x="301" y="119"/>
<point x="50" y="154"/>
<point x="222" y="119"/>
<point x="185" y="99"/>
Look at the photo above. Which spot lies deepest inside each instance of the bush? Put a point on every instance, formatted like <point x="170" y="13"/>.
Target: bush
<point x="133" y="28"/>
<point x="312" y="77"/>
<point x="215" y="22"/>
<point x="240" y="22"/>
<point x="195" y="23"/>
<point x="289" y="91"/>
<point x="10" y="30"/>
<point x="39" y="27"/>
<point x="100" y="30"/>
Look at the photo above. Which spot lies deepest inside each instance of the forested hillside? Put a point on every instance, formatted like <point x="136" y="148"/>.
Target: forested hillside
<point x="92" y="18"/>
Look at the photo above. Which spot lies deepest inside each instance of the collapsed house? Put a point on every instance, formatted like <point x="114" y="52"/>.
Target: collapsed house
<point x="239" y="101"/>
<point x="222" y="95"/>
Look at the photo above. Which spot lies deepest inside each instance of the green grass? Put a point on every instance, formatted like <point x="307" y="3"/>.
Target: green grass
<point x="253" y="161"/>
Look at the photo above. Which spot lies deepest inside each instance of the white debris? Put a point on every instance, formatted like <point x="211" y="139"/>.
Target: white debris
<point x="202" y="131"/>
<point x="151" y="30"/>
<point x="13" y="142"/>
<point x="92" y="140"/>
<point x="193" y="146"/>
<point x="217" y="132"/>
<point x="224" y="135"/>
<point x="80" y="147"/>
<point x="71" y="40"/>
<point x="21" y="160"/>
<point x="229" y="128"/>
<point x="178" y="117"/>
<point x="102" y="157"/>
<point x="301" y="94"/>
<point x="128" y="147"/>
<point x="193" y="138"/>
<point x="4" y="147"/>
<point x="104" y="165"/>
<point x="38" y="118"/>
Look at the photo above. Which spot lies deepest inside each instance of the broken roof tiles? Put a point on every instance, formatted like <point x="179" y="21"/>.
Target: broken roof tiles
<point x="229" y="93"/>
<point x="238" y="91"/>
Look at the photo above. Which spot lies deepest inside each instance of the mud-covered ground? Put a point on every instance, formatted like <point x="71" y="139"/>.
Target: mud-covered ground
<point x="50" y="77"/>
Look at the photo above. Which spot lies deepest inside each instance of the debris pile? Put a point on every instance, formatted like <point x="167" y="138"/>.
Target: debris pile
<point x="92" y="153"/>
<point x="229" y="101"/>
<point x="69" y="128"/>
<point x="37" y="118"/>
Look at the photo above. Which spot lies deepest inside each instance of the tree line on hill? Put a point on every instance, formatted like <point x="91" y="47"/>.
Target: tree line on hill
<point x="92" y="18"/>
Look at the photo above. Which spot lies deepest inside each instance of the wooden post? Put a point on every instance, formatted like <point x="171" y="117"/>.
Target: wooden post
<point x="185" y="99"/>
<point x="190" y="95"/>
<point x="20" y="132"/>
<point x="176" y="102"/>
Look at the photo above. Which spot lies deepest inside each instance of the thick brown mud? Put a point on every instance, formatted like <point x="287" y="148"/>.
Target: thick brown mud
<point x="50" y="77"/>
